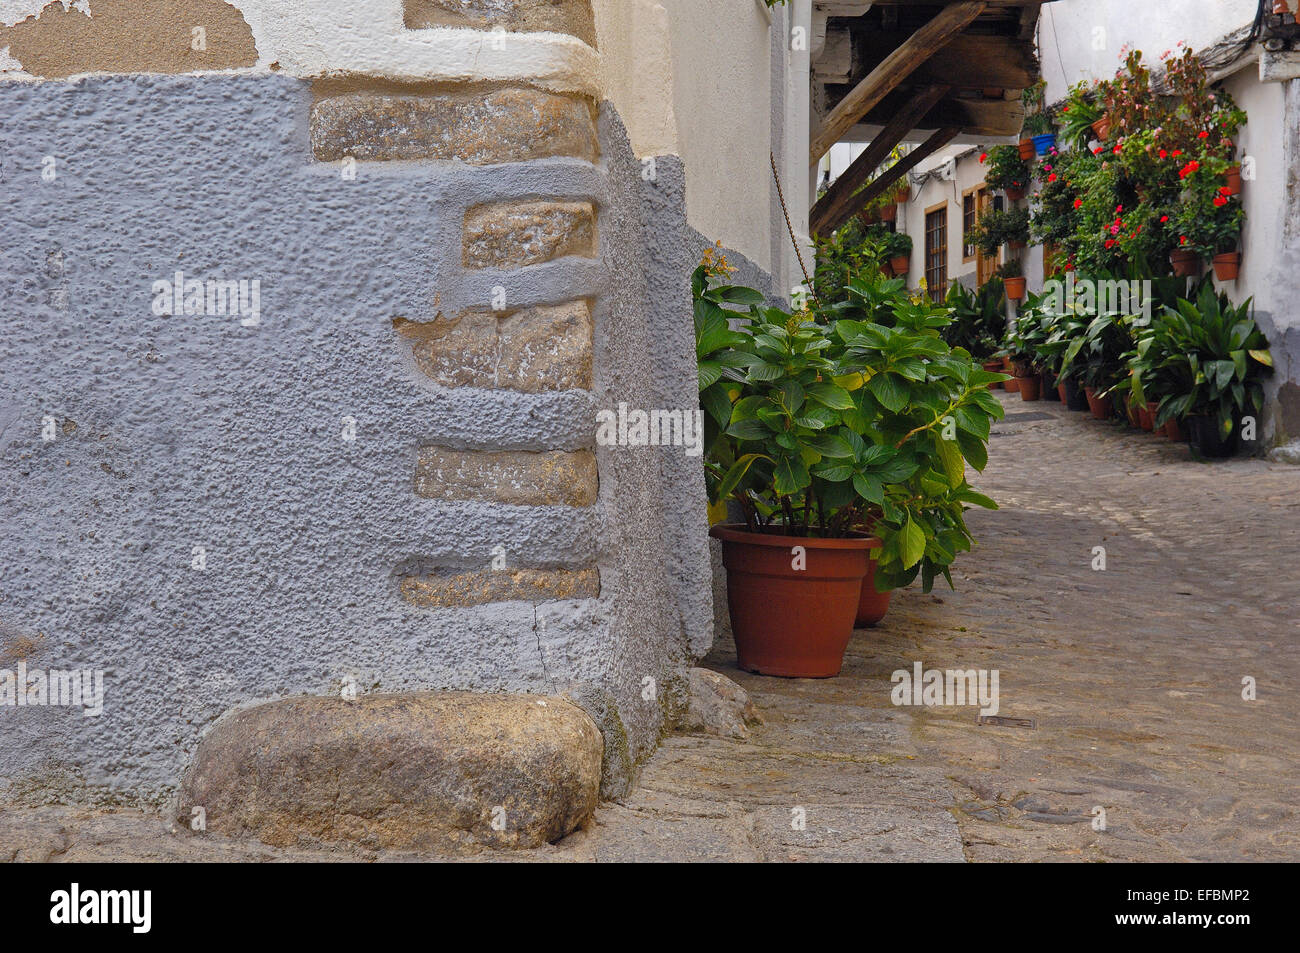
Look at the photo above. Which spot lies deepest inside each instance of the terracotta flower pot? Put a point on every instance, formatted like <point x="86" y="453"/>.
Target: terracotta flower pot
<point x="1014" y="194"/>
<point x="1030" y="387"/>
<point x="1144" y="419"/>
<point x="1015" y="288"/>
<point x="1173" y="431"/>
<point x="903" y="194"/>
<point x="1227" y="266"/>
<point x="994" y="367"/>
<point x="1185" y="263"/>
<point x="1233" y="179"/>
<point x="787" y="621"/>
<point x="899" y="263"/>
<point x="1012" y="386"/>
<point x="1102" y="128"/>
<point x="888" y="213"/>
<point x="1027" y="149"/>
<point x="1100" y="408"/>
<point x="1153" y="411"/>
<point x="872" y="605"/>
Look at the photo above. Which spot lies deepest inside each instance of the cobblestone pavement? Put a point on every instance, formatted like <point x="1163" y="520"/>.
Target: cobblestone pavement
<point x="1132" y="678"/>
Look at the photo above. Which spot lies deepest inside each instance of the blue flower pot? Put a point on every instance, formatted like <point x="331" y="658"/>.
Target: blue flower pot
<point x="1044" y="142"/>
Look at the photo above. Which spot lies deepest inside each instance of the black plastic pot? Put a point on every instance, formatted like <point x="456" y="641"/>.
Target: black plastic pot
<point x="1050" y="391"/>
<point x="1203" y="435"/>
<point x="1075" y="398"/>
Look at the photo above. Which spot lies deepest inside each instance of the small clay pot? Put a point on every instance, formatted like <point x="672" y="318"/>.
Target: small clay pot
<point x="1232" y="179"/>
<point x="872" y="605"/>
<point x="1185" y="263"/>
<point x="1101" y="409"/>
<point x="994" y="367"/>
<point x="1227" y="266"/>
<point x="899" y="263"/>
<point x="1015" y="288"/>
<point x="1027" y="150"/>
<point x="1030" y="387"/>
<point x="888" y="213"/>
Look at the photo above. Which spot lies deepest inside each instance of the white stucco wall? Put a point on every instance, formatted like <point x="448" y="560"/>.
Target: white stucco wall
<point x="969" y="173"/>
<point x="1086" y="38"/>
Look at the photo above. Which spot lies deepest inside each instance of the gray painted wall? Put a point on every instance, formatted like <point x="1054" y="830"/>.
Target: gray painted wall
<point x="193" y="431"/>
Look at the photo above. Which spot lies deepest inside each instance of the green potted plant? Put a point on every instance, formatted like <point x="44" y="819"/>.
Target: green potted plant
<point x="1013" y="278"/>
<point x="899" y="249"/>
<point x="820" y="425"/>
<point x="1210" y="359"/>
<point x="1006" y="171"/>
<point x="1209" y="219"/>
<point x="1078" y="115"/>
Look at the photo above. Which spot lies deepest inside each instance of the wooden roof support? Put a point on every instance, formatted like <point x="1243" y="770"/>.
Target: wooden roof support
<point x="889" y="177"/>
<point x="840" y="194"/>
<point x="891" y="71"/>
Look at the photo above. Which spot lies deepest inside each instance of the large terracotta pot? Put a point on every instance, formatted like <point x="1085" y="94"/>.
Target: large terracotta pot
<point x="793" y="622"/>
<point x="1012" y="386"/>
<point x="1227" y="266"/>
<point x="1100" y="407"/>
<point x="899" y="263"/>
<point x="1185" y="263"/>
<point x="872" y="605"/>
<point x="1030" y="387"/>
<point x="1173" y="431"/>
<point x="888" y="213"/>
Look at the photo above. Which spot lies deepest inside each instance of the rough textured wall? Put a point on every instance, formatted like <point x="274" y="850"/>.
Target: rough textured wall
<point x="233" y="511"/>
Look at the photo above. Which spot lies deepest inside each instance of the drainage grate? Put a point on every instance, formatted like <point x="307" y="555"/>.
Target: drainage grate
<point x="1000" y="721"/>
<point x="1026" y="418"/>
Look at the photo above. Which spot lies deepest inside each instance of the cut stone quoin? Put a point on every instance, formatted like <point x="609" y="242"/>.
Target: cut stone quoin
<point x="479" y="127"/>
<point x="479" y="587"/>
<point x="518" y="234"/>
<point x="422" y="771"/>
<point x="533" y="350"/>
<point x="573" y="17"/>
<point x="514" y="477"/>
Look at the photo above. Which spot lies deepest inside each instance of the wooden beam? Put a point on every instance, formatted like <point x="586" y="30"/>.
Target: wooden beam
<point x="891" y="71"/>
<point x="886" y="179"/>
<point x="841" y="191"/>
<point x="1029" y="20"/>
<point x="975" y="117"/>
<point x="967" y="61"/>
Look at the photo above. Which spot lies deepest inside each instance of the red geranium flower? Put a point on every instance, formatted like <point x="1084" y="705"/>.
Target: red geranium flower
<point x="1052" y="177"/>
<point x="1202" y="135"/>
<point x="983" y="156"/>
<point x="1078" y="203"/>
<point x="1164" y="218"/>
<point x="1220" y="201"/>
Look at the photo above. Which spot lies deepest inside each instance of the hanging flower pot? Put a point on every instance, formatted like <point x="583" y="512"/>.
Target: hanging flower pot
<point x="1233" y="179"/>
<point x="903" y="194"/>
<point x="1102" y="128"/>
<point x="1044" y="142"/>
<point x="888" y="213"/>
<point x="899" y="264"/>
<point x="792" y="622"/>
<point x="1185" y="263"/>
<point x="1026" y="148"/>
<point x="1014" y="194"/>
<point x="872" y="605"/>
<point x="1227" y="265"/>
<point x="1015" y="288"/>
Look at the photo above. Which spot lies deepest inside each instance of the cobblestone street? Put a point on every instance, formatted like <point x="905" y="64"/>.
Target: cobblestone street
<point x="1132" y="677"/>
